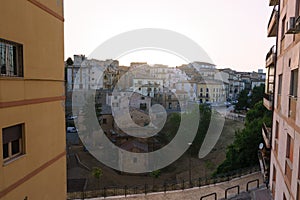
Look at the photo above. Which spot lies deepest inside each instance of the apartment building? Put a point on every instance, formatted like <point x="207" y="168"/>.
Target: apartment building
<point x="211" y="91"/>
<point x="282" y="140"/>
<point x="32" y="125"/>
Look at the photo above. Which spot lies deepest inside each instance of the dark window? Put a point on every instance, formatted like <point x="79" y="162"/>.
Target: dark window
<point x="283" y="27"/>
<point x="279" y="83"/>
<point x="276" y="130"/>
<point x="294" y="83"/>
<point x="11" y="58"/>
<point x="274" y="173"/>
<point x="289" y="147"/>
<point x="143" y="106"/>
<point x="12" y="139"/>
<point x="104" y="121"/>
<point x="5" y="151"/>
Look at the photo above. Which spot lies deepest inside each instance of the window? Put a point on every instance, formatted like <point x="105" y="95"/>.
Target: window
<point x="298" y="192"/>
<point x="12" y="142"/>
<point x="11" y="59"/>
<point x="294" y="83"/>
<point x="276" y="138"/>
<point x="143" y="106"/>
<point x="274" y="174"/>
<point x="283" y="27"/>
<point x="289" y="147"/>
<point x="276" y="130"/>
<point x="279" y="84"/>
<point x="293" y="94"/>
<point x="289" y="160"/>
<point x="104" y="121"/>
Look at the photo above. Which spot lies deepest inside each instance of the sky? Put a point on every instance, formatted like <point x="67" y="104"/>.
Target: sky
<point x="232" y="32"/>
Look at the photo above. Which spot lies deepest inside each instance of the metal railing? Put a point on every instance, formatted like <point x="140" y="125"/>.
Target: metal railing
<point x="233" y="187"/>
<point x="166" y="186"/>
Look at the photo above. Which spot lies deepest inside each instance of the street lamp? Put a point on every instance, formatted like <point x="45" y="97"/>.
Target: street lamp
<point x="190" y="164"/>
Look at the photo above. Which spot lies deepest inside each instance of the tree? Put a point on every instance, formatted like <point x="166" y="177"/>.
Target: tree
<point x="155" y="174"/>
<point x="69" y="61"/>
<point x="256" y="95"/>
<point x="242" y="103"/>
<point x="243" y="151"/>
<point x="97" y="173"/>
<point x="248" y="99"/>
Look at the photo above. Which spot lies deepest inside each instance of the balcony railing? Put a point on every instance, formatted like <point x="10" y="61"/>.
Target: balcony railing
<point x="272" y="26"/>
<point x="268" y="101"/>
<point x="270" y="58"/>
<point x="292" y="107"/>
<point x="273" y="2"/>
<point x="264" y="162"/>
<point x="267" y="134"/>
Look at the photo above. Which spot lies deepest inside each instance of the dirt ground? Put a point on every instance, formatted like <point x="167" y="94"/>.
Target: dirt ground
<point x="178" y="170"/>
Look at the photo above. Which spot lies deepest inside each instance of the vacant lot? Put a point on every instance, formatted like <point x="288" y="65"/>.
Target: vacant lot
<point x="177" y="171"/>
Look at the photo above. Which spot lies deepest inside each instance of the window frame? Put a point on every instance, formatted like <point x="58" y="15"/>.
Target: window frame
<point x="18" y="69"/>
<point x="21" y="148"/>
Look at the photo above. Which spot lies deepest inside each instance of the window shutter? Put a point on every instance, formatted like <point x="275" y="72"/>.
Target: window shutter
<point x="11" y="133"/>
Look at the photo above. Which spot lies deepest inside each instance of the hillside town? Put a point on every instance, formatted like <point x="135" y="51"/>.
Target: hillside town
<point x="85" y="127"/>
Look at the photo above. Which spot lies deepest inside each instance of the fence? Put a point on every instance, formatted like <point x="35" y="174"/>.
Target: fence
<point x="166" y="186"/>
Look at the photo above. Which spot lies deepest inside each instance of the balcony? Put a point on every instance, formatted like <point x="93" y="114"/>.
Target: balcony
<point x="273" y="24"/>
<point x="273" y="2"/>
<point x="292" y="107"/>
<point x="270" y="58"/>
<point x="267" y="134"/>
<point x="264" y="162"/>
<point x="268" y="101"/>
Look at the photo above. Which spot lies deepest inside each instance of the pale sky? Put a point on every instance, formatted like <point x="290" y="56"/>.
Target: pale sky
<point x="232" y="32"/>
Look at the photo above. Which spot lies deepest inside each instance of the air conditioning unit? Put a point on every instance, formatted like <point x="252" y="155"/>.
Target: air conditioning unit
<point x="293" y="25"/>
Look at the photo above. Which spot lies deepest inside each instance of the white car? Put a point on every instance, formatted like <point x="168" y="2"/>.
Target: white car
<point x="71" y="130"/>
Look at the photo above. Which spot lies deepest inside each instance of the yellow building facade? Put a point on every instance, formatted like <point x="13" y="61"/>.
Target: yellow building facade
<point x="32" y="119"/>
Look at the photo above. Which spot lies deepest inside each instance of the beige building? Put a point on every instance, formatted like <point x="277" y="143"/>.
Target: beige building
<point x="32" y="118"/>
<point x="284" y="136"/>
<point x="211" y="91"/>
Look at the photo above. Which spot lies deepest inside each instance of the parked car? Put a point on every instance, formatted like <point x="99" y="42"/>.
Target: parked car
<point x="71" y="130"/>
<point x="71" y="117"/>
